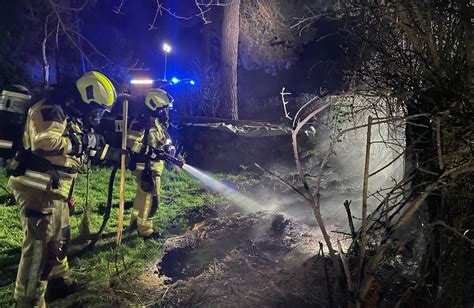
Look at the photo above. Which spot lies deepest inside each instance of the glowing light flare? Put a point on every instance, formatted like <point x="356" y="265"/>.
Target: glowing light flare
<point x="176" y="80"/>
<point x="141" y="81"/>
<point x="166" y="48"/>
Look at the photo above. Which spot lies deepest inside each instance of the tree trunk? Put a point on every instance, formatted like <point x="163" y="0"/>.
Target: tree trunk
<point x="45" y="63"/>
<point x="56" y="54"/>
<point x="468" y="21"/>
<point x="229" y="53"/>
<point x="44" y="55"/>
<point x="207" y="45"/>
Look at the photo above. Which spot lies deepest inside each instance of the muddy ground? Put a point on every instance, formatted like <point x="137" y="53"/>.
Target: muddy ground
<point x="253" y="260"/>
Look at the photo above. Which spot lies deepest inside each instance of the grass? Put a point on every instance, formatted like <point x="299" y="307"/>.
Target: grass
<point x="106" y="286"/>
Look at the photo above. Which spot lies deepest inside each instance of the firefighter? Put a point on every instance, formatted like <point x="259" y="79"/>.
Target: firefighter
<point x="57" y="136"/>
<point x="148" y="136"/>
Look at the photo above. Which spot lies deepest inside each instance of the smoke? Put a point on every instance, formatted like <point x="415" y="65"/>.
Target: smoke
<point x="344" y="173"/>
<point x="342" y="178"/>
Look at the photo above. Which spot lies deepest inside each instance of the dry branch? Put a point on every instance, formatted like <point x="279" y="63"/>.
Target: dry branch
<point x="313" y="203"/>
<point x="347" y="204"/>
<point x="69" y="32"/>
<point x="286" y="183"/>
<point x="284" y="102"/>
<point x="414" y="205"/>
<point x="363" y="237"/>
<point x="347" y="272"/>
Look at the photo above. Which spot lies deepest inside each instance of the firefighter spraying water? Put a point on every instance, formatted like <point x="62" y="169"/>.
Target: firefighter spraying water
<point x="155" y="152"/>
<point x="45" y="163"/>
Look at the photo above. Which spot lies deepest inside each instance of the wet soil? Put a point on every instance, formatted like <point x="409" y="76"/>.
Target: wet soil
<point x="255" y="259"/>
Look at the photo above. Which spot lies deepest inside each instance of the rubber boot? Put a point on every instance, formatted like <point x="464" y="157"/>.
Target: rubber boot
<point x="148" y="233"/>
<point x="152" y="236"/>
<point x="62" y="287"/>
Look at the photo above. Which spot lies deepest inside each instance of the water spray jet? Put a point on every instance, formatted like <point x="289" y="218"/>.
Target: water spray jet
<point x="229" y="193"/>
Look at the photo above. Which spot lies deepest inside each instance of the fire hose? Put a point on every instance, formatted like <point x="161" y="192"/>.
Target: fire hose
<point x="107" y="209"/>
<point x="161" y="155"/>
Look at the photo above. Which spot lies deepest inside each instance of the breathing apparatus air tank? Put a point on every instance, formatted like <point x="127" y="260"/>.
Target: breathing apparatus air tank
<point x="14" y="104"/>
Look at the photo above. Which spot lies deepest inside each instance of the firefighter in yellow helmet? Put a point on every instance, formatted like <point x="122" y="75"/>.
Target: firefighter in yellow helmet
<point x="57" y="137"/>
<point x="148" y="134"/>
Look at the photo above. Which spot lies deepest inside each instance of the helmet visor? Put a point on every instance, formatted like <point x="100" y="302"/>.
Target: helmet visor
<point x="94" y="116"/>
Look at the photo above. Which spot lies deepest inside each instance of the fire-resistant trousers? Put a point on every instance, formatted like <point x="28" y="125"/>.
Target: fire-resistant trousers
<point x="145" y="205"/>
<point x="45" y="219"/>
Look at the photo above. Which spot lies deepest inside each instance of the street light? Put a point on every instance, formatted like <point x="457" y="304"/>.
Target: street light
<point x="167" y="50"/>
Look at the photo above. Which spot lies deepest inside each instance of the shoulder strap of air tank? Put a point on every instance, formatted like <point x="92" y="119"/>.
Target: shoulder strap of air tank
<point x="145" y="141"/>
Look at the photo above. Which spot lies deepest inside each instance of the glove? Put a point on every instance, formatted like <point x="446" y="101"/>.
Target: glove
<point x="79" y="142"/>
<point x="95" y="141"/>
<point x="170" y="150"/>
<point x="157" y="154"/>
<point x="152" y="153"/>
<point x="111" y="154"/>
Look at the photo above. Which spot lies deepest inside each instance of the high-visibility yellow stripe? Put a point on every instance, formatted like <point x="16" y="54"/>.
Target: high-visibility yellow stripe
<point x="140" y="166"/>
<point x="145" y="222"/>
<point x="65" y="145"/>
<point x="104" y="152"/>
<point x="146" y="209"/>
<point x="65" y="187"/>
<point x="136" y="147"/>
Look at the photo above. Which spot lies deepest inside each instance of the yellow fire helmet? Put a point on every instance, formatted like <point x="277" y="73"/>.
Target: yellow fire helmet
<point x="157" y="98"/>
<point x="95" y="87"/>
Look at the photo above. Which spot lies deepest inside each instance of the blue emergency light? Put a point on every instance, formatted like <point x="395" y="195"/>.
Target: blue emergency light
<point x="174" y="80"/>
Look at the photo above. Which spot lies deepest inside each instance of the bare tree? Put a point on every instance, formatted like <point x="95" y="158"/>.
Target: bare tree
<point x="269" y="38"/>
<point x="229" y="55"/>
<point x="58" y="21"/>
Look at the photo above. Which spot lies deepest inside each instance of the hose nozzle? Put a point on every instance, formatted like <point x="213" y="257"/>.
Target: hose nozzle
<point x="174" y="160"/>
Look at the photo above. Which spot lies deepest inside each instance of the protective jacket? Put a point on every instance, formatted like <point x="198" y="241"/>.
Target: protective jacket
<point x="47" y="165"/>
<point x="157" y="137"/>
